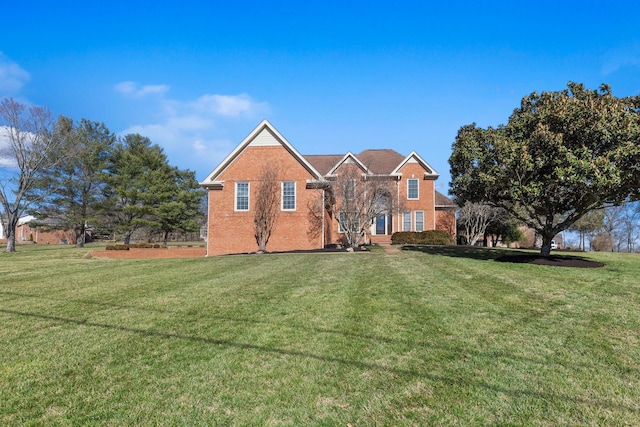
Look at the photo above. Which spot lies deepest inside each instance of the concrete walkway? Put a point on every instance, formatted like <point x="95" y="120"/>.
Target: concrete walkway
<point x="389" y="248"/>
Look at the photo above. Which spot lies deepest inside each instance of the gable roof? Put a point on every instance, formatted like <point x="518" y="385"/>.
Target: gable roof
<point x="415" y="158"/>
<point x="377" y="162"/>
<point x="323" y="162"/>
<point x="349" y="158"/>
<point x="263" y="135"/>
<point x="381" y="162"/>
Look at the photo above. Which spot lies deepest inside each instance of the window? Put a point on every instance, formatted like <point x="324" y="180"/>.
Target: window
<point x="348" y="220"/>
<point x="242" y="196"/>
<point x="350" y="189"/>
<point x="419" y="220"/>
<point x="406" y="221"/>
<point x="412" y="189"/>
<point x="288" y="195"/>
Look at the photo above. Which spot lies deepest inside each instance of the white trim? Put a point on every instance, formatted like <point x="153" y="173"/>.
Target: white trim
<point x="263" y="126"/>
<point x="410" y="220"/>
<point x="430" y="172"/>
<point x="415" y="220"/>
<point x="295" y="196"/>
<point x="418" y="188"/>
<point x="235" y="197"/>
<point x="348" y="158"/>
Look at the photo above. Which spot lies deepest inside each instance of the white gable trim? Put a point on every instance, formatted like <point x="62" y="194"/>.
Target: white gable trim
<point x="415" y="158"/>
<point x="349" y="158"/>
<point x="263" y="135"/>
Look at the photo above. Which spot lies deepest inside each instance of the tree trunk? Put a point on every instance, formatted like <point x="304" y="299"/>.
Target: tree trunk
<point x="12" y="223"/>
<point x="80" y="234"/>
<point x="545" y="250"/>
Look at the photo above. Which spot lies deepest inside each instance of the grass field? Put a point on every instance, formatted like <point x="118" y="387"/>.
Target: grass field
<point x="326" y="339"/>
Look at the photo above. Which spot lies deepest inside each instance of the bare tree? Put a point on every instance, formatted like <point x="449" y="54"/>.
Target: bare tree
<point x="446" y="221"/>
<point x="588" y="225"/>
<point x="475" y="218"/>
<point x="356" y="198"/>
<point x="27" y="148"/>
<point x="266" y="205"/>
<point x="628" y="233"/>
<point x="612" y="221"/>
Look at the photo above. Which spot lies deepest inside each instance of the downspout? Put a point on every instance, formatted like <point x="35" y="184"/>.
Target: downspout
<point x="398" y="228"/>
<point x="434" y="206"/>
<point x="208" y="216"/>
<point x="322" y="204"/>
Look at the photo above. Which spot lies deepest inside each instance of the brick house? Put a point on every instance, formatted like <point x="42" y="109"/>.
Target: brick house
<point x="29" y="230"/>
<point x="305" y="182"/>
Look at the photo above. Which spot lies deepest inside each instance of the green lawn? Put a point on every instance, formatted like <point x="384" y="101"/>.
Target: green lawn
<point x="368" y="339"/>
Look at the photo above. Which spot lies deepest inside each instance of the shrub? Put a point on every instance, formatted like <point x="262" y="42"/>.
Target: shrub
<point x="117" y="247"/>
<point x="431" y="237"/>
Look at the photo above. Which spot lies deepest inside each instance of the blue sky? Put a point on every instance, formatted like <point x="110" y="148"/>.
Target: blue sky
<point x="197" y="76"/>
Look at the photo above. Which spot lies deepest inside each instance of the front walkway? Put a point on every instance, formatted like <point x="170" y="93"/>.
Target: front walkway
<point x="389" y="248"/>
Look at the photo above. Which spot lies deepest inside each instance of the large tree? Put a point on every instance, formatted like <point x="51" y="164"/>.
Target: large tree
<point x="561" y="155"/>
<point x="145" y="191"/>
<point x="178" y="207"/>
<point x="138" y="177"/>
<point x="27" y="147"/>
<point x="74" y="188"/>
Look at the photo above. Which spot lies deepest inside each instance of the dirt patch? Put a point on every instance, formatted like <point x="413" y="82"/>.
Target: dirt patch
<point x="555" y="261"/>
<point x="148" y="253"/>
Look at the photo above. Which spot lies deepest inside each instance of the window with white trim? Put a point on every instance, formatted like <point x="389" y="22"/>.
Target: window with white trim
<point x="242" y="196"/>
<point x="419" y="220"/>
<point x="288" y="195"/>
<point x="406" y="221"/>
<point x="348" y="220"/>
<point x="412" y="189"/>
<point x="349" y="189"/>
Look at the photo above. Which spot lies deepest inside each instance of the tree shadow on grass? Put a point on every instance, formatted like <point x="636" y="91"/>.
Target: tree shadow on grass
<point x="506" y="255"/>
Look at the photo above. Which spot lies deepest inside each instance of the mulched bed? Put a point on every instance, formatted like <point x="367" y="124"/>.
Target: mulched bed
<point x="555" y="261"/>
<point x="195" y="252"/>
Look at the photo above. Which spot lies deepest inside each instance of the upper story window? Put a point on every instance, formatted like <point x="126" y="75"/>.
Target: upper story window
<point x="412" y="189"/>
<point x="288" y="195"/>
<point x="242" y="196"/>
<point x="349" y="189"/>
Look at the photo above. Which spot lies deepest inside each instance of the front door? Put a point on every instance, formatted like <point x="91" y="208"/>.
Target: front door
<point x="380" y="225"/>
<point x="383" y="225"/>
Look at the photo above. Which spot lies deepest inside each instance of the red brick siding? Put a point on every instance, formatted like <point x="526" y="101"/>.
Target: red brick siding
<point x="41" y="235"/>
<point x="426" y="196"/>
<point x="233" y="232"/>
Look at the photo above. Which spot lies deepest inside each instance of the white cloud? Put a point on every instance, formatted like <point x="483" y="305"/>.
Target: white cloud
<point x="227" y="105"/>
<point x="132" y="89"/>
<point x="12" y="76"/>
<point x="620" y="57"/>
<point x="193" y="132"/>
<point x="6" y="161"/>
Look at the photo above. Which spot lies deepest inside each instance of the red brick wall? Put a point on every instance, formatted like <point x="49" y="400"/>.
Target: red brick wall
<point x="41" y="235"/>
<point x="446" y="221"/>
<point x="426" y="200"/>
<point x="233" y="232"/>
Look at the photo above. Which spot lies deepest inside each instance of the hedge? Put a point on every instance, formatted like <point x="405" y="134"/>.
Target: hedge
<point x="135" y="245"/>
<point x="431" y="237"/>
